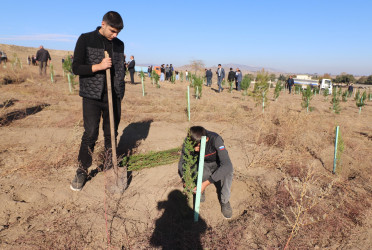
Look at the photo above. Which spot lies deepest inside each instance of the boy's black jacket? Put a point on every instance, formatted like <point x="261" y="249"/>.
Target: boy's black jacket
<point x="89" y="50"/>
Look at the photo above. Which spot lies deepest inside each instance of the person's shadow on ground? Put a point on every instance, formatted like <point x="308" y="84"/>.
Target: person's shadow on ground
<point x="129" y="140"/>
<point x="176" y="228"/>
<point x="132" y="136"/>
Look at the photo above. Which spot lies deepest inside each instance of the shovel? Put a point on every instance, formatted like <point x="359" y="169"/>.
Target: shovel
<point x="117" y="179"/>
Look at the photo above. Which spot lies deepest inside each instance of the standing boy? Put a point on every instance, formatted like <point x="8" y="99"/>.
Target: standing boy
<point x="90" y="64"/>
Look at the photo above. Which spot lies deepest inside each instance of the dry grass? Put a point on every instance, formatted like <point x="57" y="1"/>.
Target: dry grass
<point x="287" y="202"/>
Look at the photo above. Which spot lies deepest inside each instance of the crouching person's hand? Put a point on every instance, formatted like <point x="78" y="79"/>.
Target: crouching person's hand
<point x="205" y="184"/>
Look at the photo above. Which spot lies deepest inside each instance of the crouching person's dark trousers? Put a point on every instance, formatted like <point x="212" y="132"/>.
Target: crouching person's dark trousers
<point x="223" y="186"/>
<point x="92" y="112"/>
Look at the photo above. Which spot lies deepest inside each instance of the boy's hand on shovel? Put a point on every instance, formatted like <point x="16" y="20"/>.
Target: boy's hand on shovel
<point x="106" y="63"/>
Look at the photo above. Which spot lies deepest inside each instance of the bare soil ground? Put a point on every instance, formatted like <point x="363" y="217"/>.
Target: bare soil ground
<point x="283" y="189"/>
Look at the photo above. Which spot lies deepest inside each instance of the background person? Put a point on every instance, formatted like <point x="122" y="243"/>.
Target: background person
<point x="42" y="57"/>
<point x="231" y="75"/>
<point x="131" y="69"/>
<point x="290" y="83"/>
<point x="238" y="79"/>
<point x="220" y="77"/>
<point x="209" y="76"/>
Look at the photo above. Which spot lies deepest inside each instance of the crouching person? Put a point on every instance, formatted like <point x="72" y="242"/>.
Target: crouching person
<point x="218" y="169"/>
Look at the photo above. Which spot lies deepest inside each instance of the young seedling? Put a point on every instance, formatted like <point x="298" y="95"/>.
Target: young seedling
<point x="339" y="92"/>
<point x="67" y="68"/>
<point x="307" y="95"/>
<point x="156" y="78"/>
<point x="231" y="85"/>
<point x="142" y="74"/>
<point x="326" y="93"/>
<point x="188" y="102"/>
<point x="16" y="62"/>
<point x="261" y="88"/>
<point x="297" y="89"/>
<point x="339" y="149"/>
<point x="246" y="82"/>
<point x="152" y="77"/>
<point x="173" y="79"/>
<point x="51" y="73"/>
<point x="198" y="86"/>
<point x="335" y="103"/>
<point x="357" y="95"/>
<point x="278" y="88"/>
<point x="361" y="101"/>
<point x="344" y="95"/>
<point x="189" y="167"/>
<point x="181" y="76"/>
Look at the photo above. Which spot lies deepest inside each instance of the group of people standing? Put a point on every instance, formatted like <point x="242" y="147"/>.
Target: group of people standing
<point x="167" y="72"/>
<point x="233" y="76"/>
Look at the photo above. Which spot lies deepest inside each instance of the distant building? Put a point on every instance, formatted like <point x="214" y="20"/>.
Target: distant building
<point x="303" y="77"/>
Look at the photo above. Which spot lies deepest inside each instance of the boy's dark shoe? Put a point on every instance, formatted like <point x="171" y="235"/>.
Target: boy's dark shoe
<point x="78" y="182"/>
<point x="226" y="210"/>
<point x="202" y="197"/>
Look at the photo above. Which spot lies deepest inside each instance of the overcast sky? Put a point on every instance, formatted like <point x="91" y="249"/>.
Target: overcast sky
<point x="326" y="36"/>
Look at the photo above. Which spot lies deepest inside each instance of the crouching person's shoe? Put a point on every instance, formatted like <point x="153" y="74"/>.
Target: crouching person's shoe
<point x="226" y="210"/>
<point x="78" y="182"/>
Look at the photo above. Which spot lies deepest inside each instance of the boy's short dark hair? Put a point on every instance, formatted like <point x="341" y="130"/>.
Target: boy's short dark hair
<point x="196" y="133"/>
<point x="114" y="20"/>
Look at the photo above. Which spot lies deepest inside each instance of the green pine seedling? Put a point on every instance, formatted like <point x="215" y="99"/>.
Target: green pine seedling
<point x="143" y="76"/>
<point x="340" y="150"/>
<point x="357" y="96"/>
<point x="198" y="86"/>
<point x="51" y="73"/>
<point x="326" y="93"/>
<point x="16" y="62"/>
<point x="181" y="76"/>
<point x="278" y="88"/>
<point x="261" y="88"/>
<point x="173" y="79"/>
<point x="67" y="69"/>
<point x="307" y="95"/>
<point x="344" y="95"/>
<point x="335" y="103"/>
<point x="189" y="166"/>
<point x="246" y="82"/>
<point x="231" y="85"/>
<point x="361" y="101"/>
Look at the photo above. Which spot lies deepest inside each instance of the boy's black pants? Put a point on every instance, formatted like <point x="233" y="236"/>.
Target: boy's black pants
<point x="93" y="110"/>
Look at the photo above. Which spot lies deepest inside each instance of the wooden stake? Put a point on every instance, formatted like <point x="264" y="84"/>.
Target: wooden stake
<point x="112" y="124"/>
